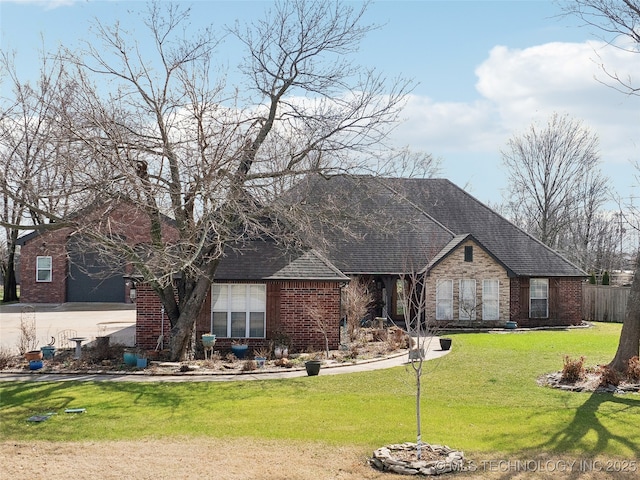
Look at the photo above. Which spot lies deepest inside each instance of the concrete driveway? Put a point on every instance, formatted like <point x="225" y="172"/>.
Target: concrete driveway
<point x="88" y="320"/>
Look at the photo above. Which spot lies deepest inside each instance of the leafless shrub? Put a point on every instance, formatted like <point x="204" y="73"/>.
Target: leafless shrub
<point x="572" y="370"/>
<point x="5" y="358"/>
<point x="322" y="324"/>
<point x="356" y="299"/>
<point x="397" y="339"/>
<point x="609" y="376"/>
<point x="249" y="366"/>
<point x="633" y="369"/>
<point x="27" y="340"/>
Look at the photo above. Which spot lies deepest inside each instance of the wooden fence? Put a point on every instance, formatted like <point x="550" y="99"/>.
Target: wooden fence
<point x="602" y="303"/>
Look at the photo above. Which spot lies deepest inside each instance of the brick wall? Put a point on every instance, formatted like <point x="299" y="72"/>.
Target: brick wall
<point x="53" y="244"/>
<point x="297" y="301"/>
<point x="288" y="312"/>
<point x="565" y="302"/>
<point x="151" y="321"/>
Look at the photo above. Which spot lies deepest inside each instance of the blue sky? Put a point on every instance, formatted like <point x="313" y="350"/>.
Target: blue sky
<point x="486" y="70"/>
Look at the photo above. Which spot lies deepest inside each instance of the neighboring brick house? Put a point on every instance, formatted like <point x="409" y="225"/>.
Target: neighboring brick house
<point x="481" y="269"/>
<point x="56" y="268"/>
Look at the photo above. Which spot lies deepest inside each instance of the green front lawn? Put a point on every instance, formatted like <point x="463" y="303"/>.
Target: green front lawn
<point x="482" y="397"/>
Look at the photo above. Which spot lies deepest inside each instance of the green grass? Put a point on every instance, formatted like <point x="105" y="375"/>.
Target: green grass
<point x="482" y="397"/>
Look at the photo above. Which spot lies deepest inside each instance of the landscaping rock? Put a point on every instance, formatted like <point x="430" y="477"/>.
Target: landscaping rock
<point x="402" y="459"/>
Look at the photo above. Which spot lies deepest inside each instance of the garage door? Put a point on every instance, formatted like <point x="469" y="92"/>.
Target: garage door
<point x="91" y="278"/>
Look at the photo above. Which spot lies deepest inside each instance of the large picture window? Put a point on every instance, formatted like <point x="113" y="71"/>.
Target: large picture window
<point x="491" y="299"/>
<point x="43" y="269"/>
<point x="539" y="298"/>
<point x="467" y="304"/>
<point x="444" y="300"/>
<point x="238" y="310"/>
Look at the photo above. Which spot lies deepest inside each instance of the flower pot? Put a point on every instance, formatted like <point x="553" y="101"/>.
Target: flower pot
<point x="35" y="364"/>
<point x="208" y="340"/>
<point x="141" y="362"/>
<point x="260" y="361"/>
<point x="313" y="367"/>
<point x="130" y="358"/>
<point x="33" y="355"/>
<point x="281" y="352"/>
<point x="48" y="351"/>
<point x="240" y="351"/>
<point x="511" y="325"/>
<point x="445" y="343"/>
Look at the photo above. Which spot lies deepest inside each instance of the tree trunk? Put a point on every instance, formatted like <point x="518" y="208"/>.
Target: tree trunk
<point x="183" y="329"/>
<point x="10" y="288"/>
<point x="629" y="345"/>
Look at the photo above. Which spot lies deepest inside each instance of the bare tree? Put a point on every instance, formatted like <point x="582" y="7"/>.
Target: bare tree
<point x="167" y="134"/>
<point x="618" y="20"/>
<point x="615" y="19"/>
<point x="33" y="168"/>
<point x="553" y="175"/>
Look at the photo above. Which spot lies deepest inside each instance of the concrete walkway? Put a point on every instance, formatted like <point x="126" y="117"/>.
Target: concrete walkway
<point x="431" y="347"/>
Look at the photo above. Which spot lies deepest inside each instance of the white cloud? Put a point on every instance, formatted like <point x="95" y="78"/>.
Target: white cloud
<point x="517" y="87"/>
<point x="47" y="4"/>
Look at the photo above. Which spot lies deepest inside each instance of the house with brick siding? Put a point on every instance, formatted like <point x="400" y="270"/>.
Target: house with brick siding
<point x="481" y="270"/>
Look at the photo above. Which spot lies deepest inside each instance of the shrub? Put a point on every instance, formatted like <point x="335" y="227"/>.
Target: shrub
<point x="6" y="357"/>
<point x="573" y="370"/>
<point x="633" y="369"/>
<point x="249" y="366"/>
<point x="608" y="376"/>
<point x="605" y="278"/>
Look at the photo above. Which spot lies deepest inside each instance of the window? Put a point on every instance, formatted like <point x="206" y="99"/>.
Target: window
<point x="491" y="299"/>
<point x="539" y="298"/>
<point x="399" y="298"/>
<point x="444" y="300"/>
<point x="238" y="310"/>
<point x="468" y="253"/>
<point x="467" y="305"/>
<point x="43" y="269"/>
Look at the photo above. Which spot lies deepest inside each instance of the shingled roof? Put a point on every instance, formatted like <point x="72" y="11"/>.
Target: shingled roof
<point x="418" y="218"/>
<point x="267" y="260"/>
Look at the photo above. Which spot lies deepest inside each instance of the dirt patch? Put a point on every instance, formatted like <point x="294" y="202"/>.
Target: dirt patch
<point x="236" y="459"/>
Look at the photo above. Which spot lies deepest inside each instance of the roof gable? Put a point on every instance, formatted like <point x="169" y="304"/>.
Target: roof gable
<point x="418" y="220"/>
<point x="266" y="260"/>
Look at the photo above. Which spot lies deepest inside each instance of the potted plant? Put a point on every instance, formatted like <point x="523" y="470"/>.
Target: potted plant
<point x="33" y="355"/>
<point x="208" y="340"/>
<point x="511" y="325"/>
<point x="239" y="348"/>
<point x="313" y="366"/>
<point x="282" y="342"/>
<point x="141" y="360"/>
<point x="48" y="351"/>
<point x="130" y="357"/>
<point x="445" y="343"/>
<point x="261" y="355"/>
